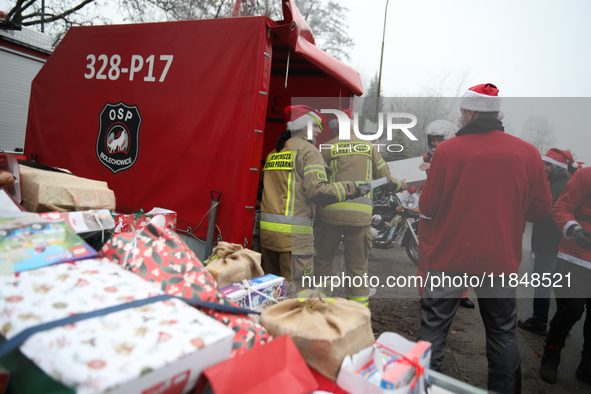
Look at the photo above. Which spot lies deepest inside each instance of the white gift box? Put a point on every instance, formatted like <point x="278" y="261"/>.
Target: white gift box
<point x="408" y="169"/>
<point x="353" y="367"/>
<point x="138" y="350"/>
<point x="259" y="290"/>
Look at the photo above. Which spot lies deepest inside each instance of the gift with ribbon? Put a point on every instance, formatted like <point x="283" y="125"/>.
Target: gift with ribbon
<point x="252" y="293"/>
<point x="160" y="256"/>
<point x="392" y="365"/>
<point x="125" y="223"/>
<point x="325" y="330"/>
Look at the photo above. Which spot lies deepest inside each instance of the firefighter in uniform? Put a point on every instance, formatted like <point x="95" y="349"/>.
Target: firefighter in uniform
<point x="294" y="182"/>
<point x="351" y="160"/>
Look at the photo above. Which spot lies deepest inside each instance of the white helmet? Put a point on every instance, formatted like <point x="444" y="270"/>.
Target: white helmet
<point x="442" y="128"/>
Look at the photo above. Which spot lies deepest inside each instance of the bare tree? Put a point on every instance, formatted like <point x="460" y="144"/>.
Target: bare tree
<point x="325" y="17"/>
<point x="54" y="16"/>
<point x="539" y="132"/>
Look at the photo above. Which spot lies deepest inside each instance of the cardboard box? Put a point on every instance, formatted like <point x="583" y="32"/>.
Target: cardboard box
<point x="272" y="286"/>
<point x="86" y="222"/>
<point x="409" y="169"/>
<point x="157" y="348"/>
<point x="30" y="242"/>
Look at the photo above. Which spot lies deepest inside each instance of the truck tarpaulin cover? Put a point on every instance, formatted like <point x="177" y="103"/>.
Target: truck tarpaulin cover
<point x="161" y="116"/>
<point x="166" y="113"/>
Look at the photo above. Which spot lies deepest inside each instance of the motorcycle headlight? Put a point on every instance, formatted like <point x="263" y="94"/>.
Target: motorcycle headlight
<point x="410" y="202"/>
<point x="376" y="219"/>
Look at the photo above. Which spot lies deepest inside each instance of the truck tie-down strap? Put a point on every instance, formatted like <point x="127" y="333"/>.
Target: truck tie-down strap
<point x="21" y="337"/>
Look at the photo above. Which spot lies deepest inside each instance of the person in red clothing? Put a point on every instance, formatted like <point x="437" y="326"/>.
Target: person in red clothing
<point x="572" y="215"/>
<point x="482" y="185"/>
<point x="435" y="133"/>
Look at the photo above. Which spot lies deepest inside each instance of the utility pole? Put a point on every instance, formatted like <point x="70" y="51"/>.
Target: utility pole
<point x="381" y="60"/>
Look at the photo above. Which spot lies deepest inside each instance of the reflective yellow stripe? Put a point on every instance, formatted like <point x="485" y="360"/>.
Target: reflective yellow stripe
<point x="380" y="164"/>
<point x="313" y="167"/>
<point x="340" y="191"/>
<point x="286" y="228"/>
<point x="362" y="300"/>
<point x="322" y="171"/>
<point x="368" y="175"/>
<point x="349" y="206"/>
<point x="333" y="167"/>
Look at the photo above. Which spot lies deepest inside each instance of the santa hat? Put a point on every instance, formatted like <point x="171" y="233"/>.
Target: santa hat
<point x="297" y="117"/>
<point x="561" y="158"/>
<point x="481" y="98"/>
<point x="334" y="123"/>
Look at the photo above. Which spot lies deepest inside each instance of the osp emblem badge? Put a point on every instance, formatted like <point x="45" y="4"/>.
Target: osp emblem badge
<point x="118" y="137"/>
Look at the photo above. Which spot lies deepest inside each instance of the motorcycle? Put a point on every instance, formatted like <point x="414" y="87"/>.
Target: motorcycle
<point x="395" y="221"/>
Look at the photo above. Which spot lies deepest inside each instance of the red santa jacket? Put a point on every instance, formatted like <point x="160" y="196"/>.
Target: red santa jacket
<point x="574" y="207"/>
<point x="480" y="188"/>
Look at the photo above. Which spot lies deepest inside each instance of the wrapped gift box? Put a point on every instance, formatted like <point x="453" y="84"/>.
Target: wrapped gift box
<point x="45" y="191"/>
<point x="148" y="349"/>
<point x="408" y="169"/>
<point x="381" y="369"/>
<point x="126" y="223"/>
<point x="400" y="372"/>
<point x="272" y="286"/>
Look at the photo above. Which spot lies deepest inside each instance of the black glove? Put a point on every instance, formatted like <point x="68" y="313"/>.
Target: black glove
<point x="582" y="237"/>
<point x="389" y="187"/>
<point x="357" y="192"/>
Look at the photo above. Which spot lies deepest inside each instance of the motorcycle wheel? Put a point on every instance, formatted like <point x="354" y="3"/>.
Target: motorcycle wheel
<point x="412" y="248"/>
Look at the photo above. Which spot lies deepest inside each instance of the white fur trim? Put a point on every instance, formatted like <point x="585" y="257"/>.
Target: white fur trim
<point x="568" y="225"/>
<point x="574" y="260"/>
<point x="555" y="162"/>
<point x="299" y="123"/>
<point x="473" y="101"/>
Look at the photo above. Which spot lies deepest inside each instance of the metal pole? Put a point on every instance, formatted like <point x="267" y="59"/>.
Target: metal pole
<point x="211" y="225"/>
<point x="381" y="60"/>
<point x="42" y="16"/>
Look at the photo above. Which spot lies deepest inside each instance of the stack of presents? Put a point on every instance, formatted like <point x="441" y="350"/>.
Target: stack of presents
<point x="95" y="302"/>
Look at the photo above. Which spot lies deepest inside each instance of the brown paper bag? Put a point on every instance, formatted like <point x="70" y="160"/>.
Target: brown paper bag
<point x="230" y="263"/>
<point x="325" y="330"/>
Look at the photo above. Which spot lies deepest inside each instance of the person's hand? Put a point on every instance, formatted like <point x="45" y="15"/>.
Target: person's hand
<point x="357" y="192"/>
<point x="582" y="237"/>
<point x="404" y="186"/>
<point x="425" y="166"/>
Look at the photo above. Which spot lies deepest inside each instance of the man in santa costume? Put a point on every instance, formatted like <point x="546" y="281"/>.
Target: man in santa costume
<point x="572" y="214"/>
<point x="435" y="133"/>
<point x="482" y="185"/>
<point x="546" y="238"/>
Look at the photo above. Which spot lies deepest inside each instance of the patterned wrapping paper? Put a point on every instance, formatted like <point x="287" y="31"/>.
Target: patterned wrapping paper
<point x="159" y="256"/>
<point x="98" y="354"/>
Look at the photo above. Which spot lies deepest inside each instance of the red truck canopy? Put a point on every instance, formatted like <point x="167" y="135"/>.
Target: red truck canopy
<point x="168" y="112"/>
